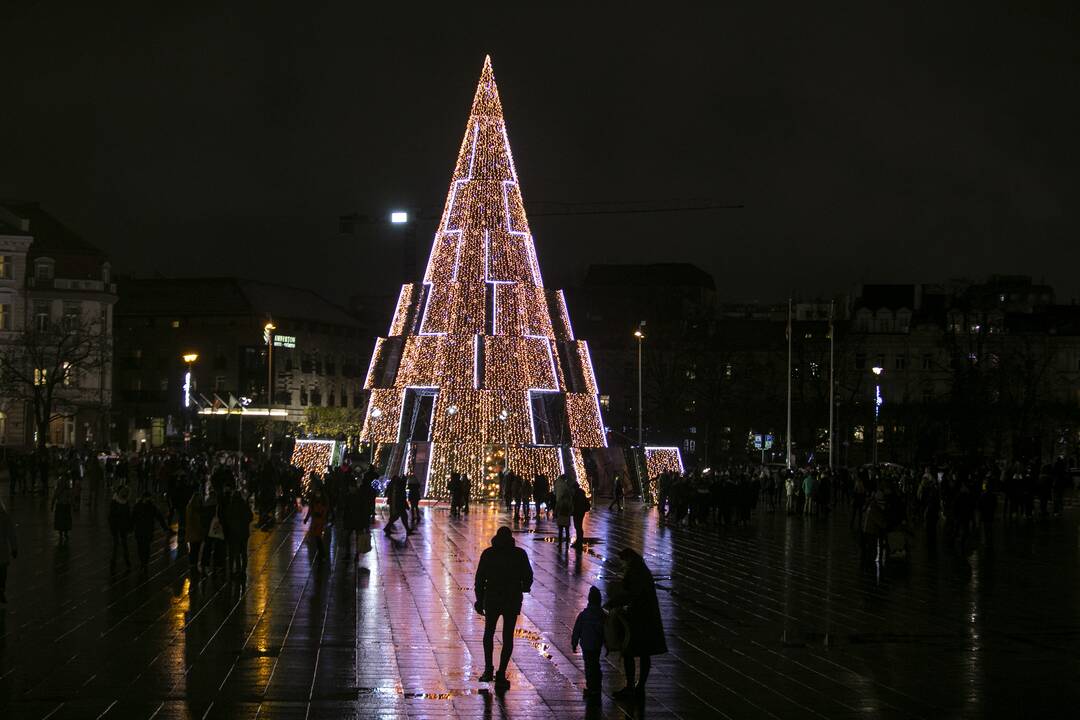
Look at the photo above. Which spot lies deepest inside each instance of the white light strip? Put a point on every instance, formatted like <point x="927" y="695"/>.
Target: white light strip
<point x="368" y="380"/>
<point x="444" y="229"/>
<point x="592" y="373"/>
<point x="397" y="310"/>
<point x="262" y="412"/>
<point x="566" y="314"/>
<point x="476" y="362"/>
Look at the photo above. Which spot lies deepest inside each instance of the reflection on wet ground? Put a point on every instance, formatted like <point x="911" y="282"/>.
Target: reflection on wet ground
<point x="773" y="620"/>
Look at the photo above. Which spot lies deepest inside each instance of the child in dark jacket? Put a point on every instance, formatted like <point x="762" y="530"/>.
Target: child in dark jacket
<point x="589" y="633"/>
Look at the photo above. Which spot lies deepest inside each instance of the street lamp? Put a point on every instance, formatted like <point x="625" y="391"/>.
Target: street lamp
<point x="640" y="335"/>
<point x="190" y="359"/>
<point x="244" y="402"/>
<point x="375" y="413"/>
<point x="877" y="407"/>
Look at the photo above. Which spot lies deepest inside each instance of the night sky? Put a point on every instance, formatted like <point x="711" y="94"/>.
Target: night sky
<point x="867" y="144"/>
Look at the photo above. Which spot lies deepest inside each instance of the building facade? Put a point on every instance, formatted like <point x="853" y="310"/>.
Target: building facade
<point x="314" y="358"/>
<point x="60" y="295"/>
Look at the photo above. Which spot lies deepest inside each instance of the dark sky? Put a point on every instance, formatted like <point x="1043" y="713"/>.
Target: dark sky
<point x="867" y="143"/>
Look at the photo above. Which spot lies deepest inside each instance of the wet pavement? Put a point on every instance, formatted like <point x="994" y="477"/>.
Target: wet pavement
<point x="771" y="621"/>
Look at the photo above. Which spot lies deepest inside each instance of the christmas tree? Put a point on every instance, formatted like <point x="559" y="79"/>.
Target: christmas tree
<point x="480" y="369"/>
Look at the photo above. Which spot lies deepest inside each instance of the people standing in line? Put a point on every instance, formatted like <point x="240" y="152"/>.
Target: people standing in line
<point x="144" y="516"/>
<point x="120" y="525"/>
<point x="637" y="594"/>
<point x="413" y="486"/>
<point x="237" y="519"/>
<point x="503" y="575"/>
<point x="617" y="493"/>
<point x="194" y="532"/>
<point x="9" y="548"/>
<point x="61" y="506"/>
<point x="581" y="505"/>
<point x="564" y="507"/>
<point x="589" y="633"/>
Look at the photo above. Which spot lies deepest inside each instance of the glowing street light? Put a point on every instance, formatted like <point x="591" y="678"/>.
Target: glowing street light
<point x="877" y="407"/>
<point x="190" y="359"/>
<point x="399" y="217"/>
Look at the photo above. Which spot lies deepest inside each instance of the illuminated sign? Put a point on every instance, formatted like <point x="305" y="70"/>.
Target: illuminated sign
<point x="285" y="341"/>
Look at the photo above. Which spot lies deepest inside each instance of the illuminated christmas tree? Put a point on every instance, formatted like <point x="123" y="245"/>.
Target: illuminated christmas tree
<point x="480" y="368"/>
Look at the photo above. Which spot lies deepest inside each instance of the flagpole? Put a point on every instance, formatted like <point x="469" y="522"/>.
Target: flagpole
<point x="832" y="382"/>
<point x="789" y="333"/>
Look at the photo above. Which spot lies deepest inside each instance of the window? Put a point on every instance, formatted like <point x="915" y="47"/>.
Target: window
<point x="858" y="433"/>
<point x="689" y="445"/>
<point x="164" y="384"/>
<point x="41" y="376"/>
<point x="3" y="426"/>
<point x="303" y="394"/>
<point x="815" y="369"/>
<point x="729" y="371"/>
<point x="927" y="362"/>
<point x="72" y="316"/>
<point x="71" y="375"/>
<point x="5" y="316"/>
<point x="106" y="272"/>
<point x="331" y="396"/>
<point x="41" y="315"/>
<point x="5" y="267"/>
<point x="219" y="383"/>
<point x="175" y="324"/>
<point x="357" y="397"/>
<point x="692" y="430"/>
<point x="135" y="384"/>
<point x="43" y="269"/>
<point x="900" y="362"/>
<point x="691" y="374"/>
<point x="605" y="401"/>
<point x="316" y="396"/>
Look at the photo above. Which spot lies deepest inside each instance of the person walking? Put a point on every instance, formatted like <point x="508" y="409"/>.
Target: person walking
<point x="564" y="507"/>
<point x="143" y="518"/>
<point x="316" y="516"/>
<point x="395" y="499"/>
<point x="237" y="520"/>
<point x="194" y="532"/>
<point x="413" y="484"/>
<point x="503" y="575"/>
<point x="541" y="489"/>
<point x="120" y="525"/>
<point x="581" y="505"/>
<point x="61" y="506"/>
<point x="617" y="493"/>
<point x="9" y="548"/>
<point x="589" y="633"/>
<point x="357" y="519"/>
<point x="637" y="594"/>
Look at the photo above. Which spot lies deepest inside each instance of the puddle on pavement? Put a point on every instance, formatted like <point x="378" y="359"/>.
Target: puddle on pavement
<point x="535" y="639"/>
<point x="448" y="695"/>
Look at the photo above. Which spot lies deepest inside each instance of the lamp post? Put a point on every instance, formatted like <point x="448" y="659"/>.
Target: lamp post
<point x="189" y="358"/>
<point x="375" y="413"/>
<point x="408" y="247"/>
<point x="504" y="415"/>
<point x="877" y="407"/>
<point x="452" y="411"/>
<point x="244" y="402"/>
<point x="268" y="336"/>
<point x="640" y="335"/>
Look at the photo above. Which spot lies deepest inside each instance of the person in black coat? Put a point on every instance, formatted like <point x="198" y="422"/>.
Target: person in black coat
<point x="502" y="576"/>
<point x="541" y="489"/>
<point x="120" y="524"/>
<point x="236" y="519"/>
<point x="581" y="506"/>
<point x="143" y="518"/>
<point x="637" y="594"/>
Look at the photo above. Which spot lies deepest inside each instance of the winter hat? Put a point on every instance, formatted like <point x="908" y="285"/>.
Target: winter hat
<point x="594" y="596"/>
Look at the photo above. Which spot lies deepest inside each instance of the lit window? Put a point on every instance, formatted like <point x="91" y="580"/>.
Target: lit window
<point x="70" y="375"/>
<point x="5" y="317"/>
<point x="43" y="270"/>
<point x="858" y="433"/>
<point x="40" y="376"/>
<point x="605" y="401"/>
<point x="3" y="426"/>
<point x="41" y="316"/>
<point x="5" y="267"/>
<point x="176" y="323"/>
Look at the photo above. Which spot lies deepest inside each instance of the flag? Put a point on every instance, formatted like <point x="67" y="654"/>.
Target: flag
<point x="233" y="402"/>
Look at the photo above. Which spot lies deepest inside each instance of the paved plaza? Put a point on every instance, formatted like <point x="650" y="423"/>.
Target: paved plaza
<point x="770" y="621"/>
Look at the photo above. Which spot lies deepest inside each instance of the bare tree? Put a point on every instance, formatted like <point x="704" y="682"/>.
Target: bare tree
<point x="44" y="366"/>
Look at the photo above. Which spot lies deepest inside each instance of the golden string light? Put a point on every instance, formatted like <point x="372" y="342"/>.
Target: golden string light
<point x="478" y="332"/>
<point x="662" y="460"/>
